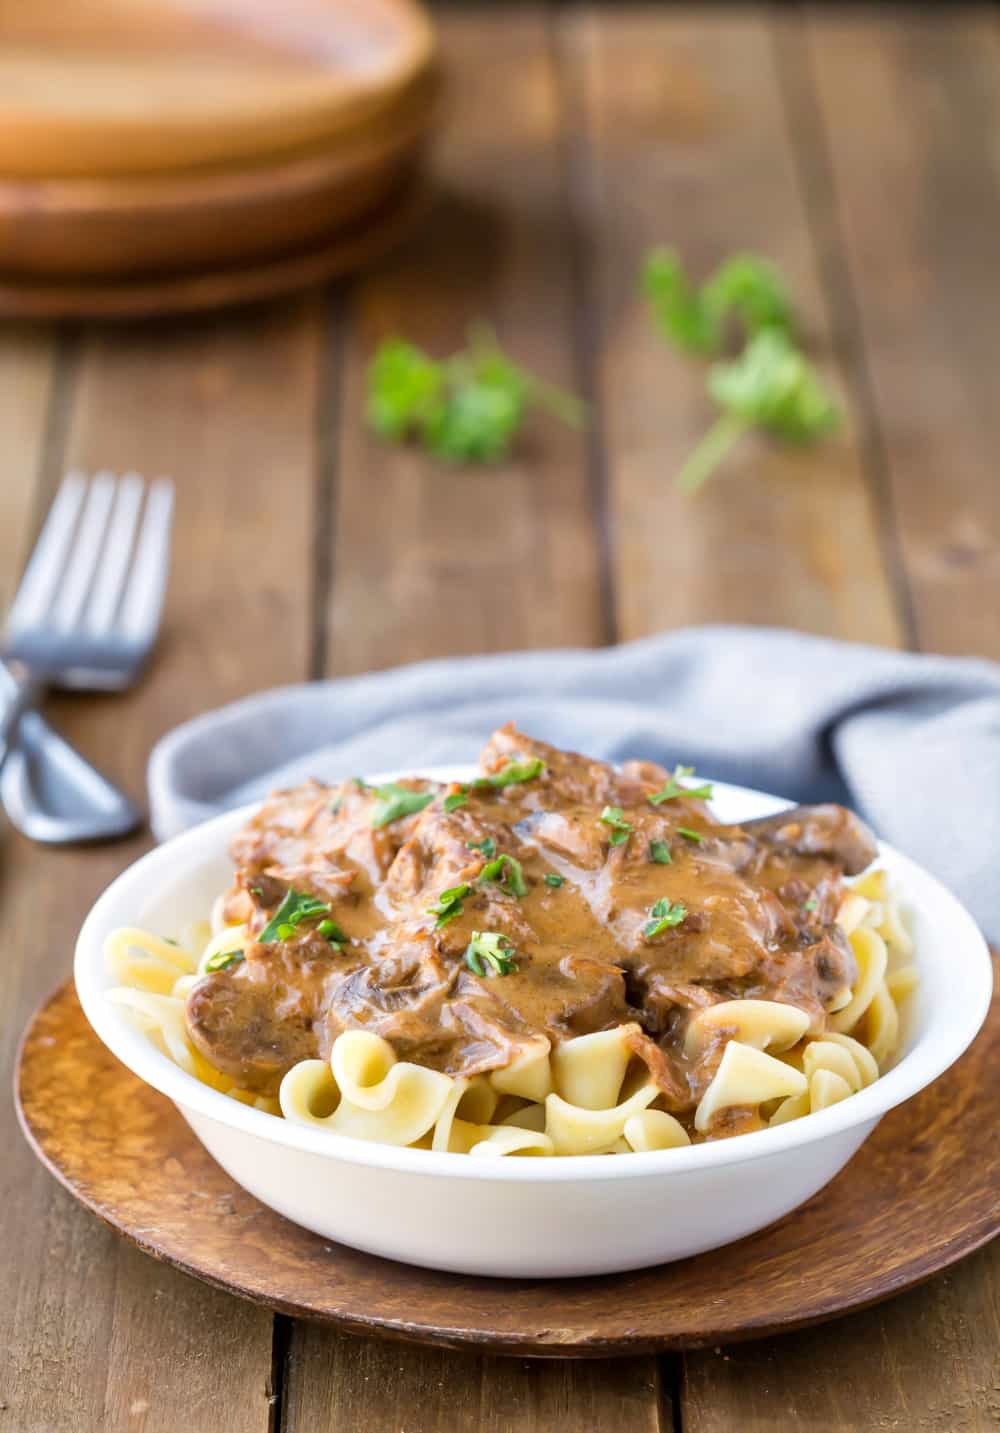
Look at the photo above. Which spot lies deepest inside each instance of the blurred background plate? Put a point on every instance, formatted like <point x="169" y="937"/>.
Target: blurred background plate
<point x="100" y="87"/>
<point x="145" y="296"/>
<point x="125" y="226"/>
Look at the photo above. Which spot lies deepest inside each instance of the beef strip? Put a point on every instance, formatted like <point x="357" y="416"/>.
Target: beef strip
<point x="759" y="905"/>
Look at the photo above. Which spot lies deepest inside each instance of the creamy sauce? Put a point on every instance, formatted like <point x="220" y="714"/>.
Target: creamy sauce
<point x="752" y="909"/>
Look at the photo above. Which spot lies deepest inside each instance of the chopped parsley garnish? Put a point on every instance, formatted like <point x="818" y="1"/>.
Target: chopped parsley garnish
<point x="449" y="904"/>
<point x="297" y="906"/>
<point x="510" y="775"/>
<point x="330" y="930"/>
<point x="507" y="874"/>
<point x="673" y="788"/>
<point x="621" y="829"/>
<point x="811" y="904"/>
<point x="223" y="959"/>
<point x="490" y="953"/>
<point x="487" y="845"/>
<point x="336" y="805"/>
<point x="690" y="835"/>
<point x="552" y="879"/>
<point x="455" y="800"/>
<point x="396" y="801"/>
<point x="659" y="852"/>
<point x="663" y="915"/>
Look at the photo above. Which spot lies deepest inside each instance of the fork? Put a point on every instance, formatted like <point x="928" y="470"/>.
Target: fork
<point x="88" y="608"/>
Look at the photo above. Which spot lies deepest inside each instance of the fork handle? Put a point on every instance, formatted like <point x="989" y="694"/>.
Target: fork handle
<point x="50" y="792"/>
<point x="22" y="693"/>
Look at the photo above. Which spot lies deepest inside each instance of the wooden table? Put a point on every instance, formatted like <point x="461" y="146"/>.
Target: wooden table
<point x="860" y="153"/>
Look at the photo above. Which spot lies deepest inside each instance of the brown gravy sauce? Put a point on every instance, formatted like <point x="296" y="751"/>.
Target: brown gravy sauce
<point x="759" y="906"/>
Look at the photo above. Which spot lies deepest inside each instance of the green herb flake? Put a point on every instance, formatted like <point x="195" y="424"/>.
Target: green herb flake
<point x="811" y="904"/>
<point x="621" y="829"/>
<point x="552" y="879"/>
<point x="490" y="953"/>
<point x="449" y="904"/>
<point x="673" y="788"/>
<point x="487" y="845"/>
<point x="455" y="800"/>
<point x="505" y="872"/>
<point x="331" y="931"/>
<point x="296" y="907"/>
<point x="663" y="915"/>
<point x="222" y="960"/>
<point x="511" y="774"/>
<point x="659" y="852"/>
<point x="396" y="801"/>
<point x="466" y="408"/>
<point x="690" y="835"/>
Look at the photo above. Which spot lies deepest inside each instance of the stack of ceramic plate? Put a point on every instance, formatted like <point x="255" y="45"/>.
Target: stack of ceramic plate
<point x="175" y="153"/>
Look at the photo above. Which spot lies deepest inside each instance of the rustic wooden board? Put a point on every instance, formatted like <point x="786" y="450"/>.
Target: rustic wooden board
<point x="425" y="559"/>
<point x="894" y="1217"/>
<point x="228" y="413"/>
<point x="695" y="151"/>
<point x="909" y="107"/>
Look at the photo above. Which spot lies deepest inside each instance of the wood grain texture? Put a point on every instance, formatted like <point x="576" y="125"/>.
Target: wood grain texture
<point x="229" y="413"/>
<point x="929" y="1362"/>
<point x="908" y="106"/>
<point x="152" y="295"/>
<point x="891" y="1218"/>
<point x="426" y="559"/>
<point x="440" y="1391"/>
<point x="694" y="151"/>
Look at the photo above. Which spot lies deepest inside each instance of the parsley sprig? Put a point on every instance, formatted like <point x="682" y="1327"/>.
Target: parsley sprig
<point x="621" y="829"/>
<point x="296" y="907"/>
<point x="490" y="953"/>
<point x="395" y="801"/>
<point x="511" y="774"/>
<point x="222" y="960"/>
<point x="505" y="872"/>
<point x="772" y="386"/>
<point x="466" y="408"/>
<point x="663" y="915"/>
<point x="744" y="286"/>
<point x="449" y="904"/>
<point x="673" y="788"/>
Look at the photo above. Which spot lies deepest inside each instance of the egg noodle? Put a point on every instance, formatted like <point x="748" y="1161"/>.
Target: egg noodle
<point x="587" y="1095"/>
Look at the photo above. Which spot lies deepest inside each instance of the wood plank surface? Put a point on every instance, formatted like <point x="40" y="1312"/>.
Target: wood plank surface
<point x="857" y="151"/>
<point x="430" y="560"/>
<point x="908" y="105"/>
<point x="693" y="150"/>
<point x="101" y="1337"/>
<point x="339" y="1383"/>
<point x="925" y="1363"/>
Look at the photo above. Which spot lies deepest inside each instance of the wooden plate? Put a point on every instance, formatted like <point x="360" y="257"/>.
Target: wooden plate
<point x="114" y="228"/>
<point x="345" y="251"/>
<point x="127" y="86"/>
<point x="920" y="1194"/>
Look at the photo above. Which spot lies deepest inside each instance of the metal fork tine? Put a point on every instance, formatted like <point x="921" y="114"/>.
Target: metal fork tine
<point x="147" y="583"/>
<point x="85" y="552"/>
<point x="110" y="581"/>
<point x="48" y="559"/>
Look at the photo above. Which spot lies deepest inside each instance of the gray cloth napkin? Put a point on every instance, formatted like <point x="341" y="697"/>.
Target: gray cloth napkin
<point x="912" y="742"/>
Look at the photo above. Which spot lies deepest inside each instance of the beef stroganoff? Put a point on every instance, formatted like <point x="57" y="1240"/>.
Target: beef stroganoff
<point x="558" y="957"/>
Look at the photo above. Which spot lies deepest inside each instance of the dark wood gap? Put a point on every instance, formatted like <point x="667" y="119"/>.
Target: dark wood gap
<point x="281" y="1338"/>
<point x="813" y="164"/>
<point x="670" y="1374"/>
<point x="577" y="174"/>
<point x="329" y="416"/>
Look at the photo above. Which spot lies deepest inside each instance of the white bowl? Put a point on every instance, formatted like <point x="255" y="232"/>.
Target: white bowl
<point x="519" y="1218"/>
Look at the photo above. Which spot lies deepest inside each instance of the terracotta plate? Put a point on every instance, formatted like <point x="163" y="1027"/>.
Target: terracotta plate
<point x="920" y="1194"/>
